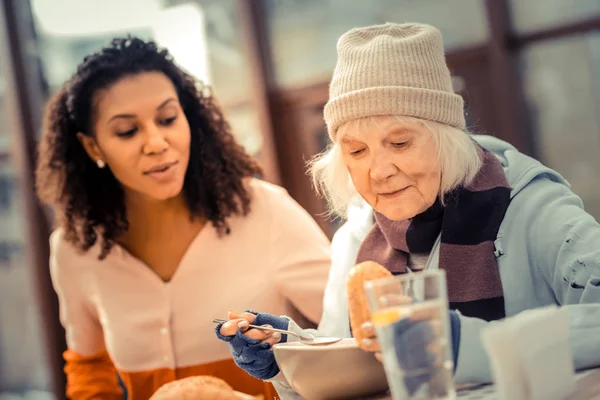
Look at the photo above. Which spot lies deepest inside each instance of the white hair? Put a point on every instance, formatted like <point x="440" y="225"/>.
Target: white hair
<point x="458" y="157"/>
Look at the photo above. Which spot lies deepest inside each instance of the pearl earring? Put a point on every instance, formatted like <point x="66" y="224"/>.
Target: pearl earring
<point x="100" y="164"/>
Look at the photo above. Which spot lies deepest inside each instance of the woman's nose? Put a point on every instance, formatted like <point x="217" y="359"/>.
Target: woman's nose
<point x="155" y="142"/>
<point x="382" y="168"/>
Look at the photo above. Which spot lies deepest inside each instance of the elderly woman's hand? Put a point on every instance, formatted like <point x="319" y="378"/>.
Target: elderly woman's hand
<point x="370" y="343"/>
<point x="251" y="348"/>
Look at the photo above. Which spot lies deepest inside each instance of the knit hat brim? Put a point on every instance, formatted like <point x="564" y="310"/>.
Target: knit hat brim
<point x="433" y="105"/>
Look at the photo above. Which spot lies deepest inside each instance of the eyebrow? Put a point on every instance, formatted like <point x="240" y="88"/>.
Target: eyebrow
<point x="394" y="131"/>
<point x="349" y="139"/>
<point x="400" y="130"/>
<point x="164" y="103"/>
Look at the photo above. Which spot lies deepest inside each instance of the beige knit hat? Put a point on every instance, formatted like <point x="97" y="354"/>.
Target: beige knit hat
<point x="392" y="69"/>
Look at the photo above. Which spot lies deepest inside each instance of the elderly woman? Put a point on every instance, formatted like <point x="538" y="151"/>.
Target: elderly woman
<point x="507" y="230"/>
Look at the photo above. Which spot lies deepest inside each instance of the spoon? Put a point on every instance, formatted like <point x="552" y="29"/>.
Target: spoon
<point x="304" y="339"/>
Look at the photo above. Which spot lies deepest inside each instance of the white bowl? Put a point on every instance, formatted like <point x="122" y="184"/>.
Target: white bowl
<point x="336" y="371"/>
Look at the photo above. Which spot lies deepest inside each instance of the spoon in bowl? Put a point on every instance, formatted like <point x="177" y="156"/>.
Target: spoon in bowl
<point x="304" y="339"/>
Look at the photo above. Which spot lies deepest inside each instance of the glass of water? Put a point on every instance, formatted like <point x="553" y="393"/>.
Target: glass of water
<point x="410" y="316"/>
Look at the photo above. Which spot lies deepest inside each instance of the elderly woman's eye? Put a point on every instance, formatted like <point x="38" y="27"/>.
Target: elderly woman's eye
<point x="400" y="145"/>
<point x="356" y="152"/>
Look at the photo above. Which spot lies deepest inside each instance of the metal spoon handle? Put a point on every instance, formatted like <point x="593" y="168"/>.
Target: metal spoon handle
<point x="264" y="328"/>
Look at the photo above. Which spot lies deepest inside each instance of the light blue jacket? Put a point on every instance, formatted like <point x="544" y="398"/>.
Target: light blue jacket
<point x="548" y="253"/>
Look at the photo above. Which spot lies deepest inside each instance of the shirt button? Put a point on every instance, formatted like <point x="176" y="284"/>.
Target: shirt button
<point x="163" y="331"/>
<point x="165" y="358"/>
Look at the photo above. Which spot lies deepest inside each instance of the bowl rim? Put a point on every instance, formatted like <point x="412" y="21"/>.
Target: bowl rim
<point x="345" y="343"/>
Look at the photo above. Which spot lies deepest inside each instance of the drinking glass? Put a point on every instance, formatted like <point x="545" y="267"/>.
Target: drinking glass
<point x="411" y="320"/>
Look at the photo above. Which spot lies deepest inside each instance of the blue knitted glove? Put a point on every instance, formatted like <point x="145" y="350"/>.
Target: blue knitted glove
<point x="411" y="339"/>
<point x="251" y="355"/>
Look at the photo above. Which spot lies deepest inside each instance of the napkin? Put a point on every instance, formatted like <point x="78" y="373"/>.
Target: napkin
<point x="531" y="356"/>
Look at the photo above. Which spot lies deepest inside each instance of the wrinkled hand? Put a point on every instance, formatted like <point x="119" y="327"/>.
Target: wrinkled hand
<point x="251" y="348"/>
<point x="370" y="343"/>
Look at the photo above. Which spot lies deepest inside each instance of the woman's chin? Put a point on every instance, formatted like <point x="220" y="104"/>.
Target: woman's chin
<point x="397" y="216"/>
<point x="397" y="212"/>
<point x="165" y="193"/>
<point x="403" y="207"/>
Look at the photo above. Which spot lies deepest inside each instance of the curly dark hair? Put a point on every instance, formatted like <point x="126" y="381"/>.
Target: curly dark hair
<point x="88" y="201"/>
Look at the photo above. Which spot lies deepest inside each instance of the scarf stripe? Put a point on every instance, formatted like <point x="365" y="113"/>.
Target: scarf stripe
<point x="486" y="309"/>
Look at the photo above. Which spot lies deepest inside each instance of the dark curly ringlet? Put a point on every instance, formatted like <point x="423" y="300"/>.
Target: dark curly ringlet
<point x="89" y="201"/>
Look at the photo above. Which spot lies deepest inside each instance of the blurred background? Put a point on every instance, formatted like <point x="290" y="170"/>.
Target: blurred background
<point x="529" y="71"/>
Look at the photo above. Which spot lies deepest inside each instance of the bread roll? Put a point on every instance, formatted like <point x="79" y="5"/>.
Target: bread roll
<point x="358" y="305"/>
<point x="196" y="388"/>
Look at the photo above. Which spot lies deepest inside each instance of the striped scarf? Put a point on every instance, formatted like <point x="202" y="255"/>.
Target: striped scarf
<point x="469" y="224"/>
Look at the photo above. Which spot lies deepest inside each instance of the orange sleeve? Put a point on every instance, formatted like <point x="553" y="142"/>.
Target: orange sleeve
<point x="91" y="377"/>
<point x="90" y="372"/>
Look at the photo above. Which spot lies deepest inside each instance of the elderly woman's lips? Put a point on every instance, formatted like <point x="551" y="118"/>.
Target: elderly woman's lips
<point x="391" y="195"/>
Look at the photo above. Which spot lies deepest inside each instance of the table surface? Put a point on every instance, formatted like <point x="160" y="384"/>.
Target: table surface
<point x="588" y="388"/>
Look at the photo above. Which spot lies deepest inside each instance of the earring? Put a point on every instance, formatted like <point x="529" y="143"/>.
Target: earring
<point x="100" y="164"/>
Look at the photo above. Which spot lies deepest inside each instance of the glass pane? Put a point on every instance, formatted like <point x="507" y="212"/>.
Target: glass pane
<point x="64" y="40"/>
<point x="228" y="62"/>
<point x="202" y="35"/>
<point x="563" y="91"/>
<point x="245" y="127"/>
<point x="304" y="33"/>
<point x="533" y="15"/>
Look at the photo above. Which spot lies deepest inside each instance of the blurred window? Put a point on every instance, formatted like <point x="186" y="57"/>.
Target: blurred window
<point x="562" y="87"/>
<point x="304" y="33"/>
<point x="534" y="15"/>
